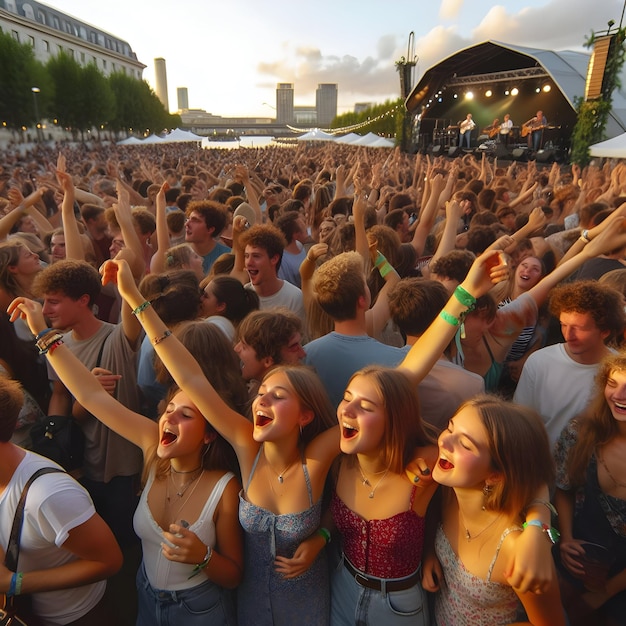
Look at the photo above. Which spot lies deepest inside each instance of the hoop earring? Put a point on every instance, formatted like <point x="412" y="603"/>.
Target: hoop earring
<point x="486" y="493"/>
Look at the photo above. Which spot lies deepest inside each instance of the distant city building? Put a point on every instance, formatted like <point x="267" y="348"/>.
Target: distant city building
<point x="49" y="31"/>
<point x="160" y="79"/>
<point x="183" y="98"/>
<point x="284" y="103"/>
<point x="305" y="116"/>
<point x="360" y="107"/>
<point x="326" y="103"/>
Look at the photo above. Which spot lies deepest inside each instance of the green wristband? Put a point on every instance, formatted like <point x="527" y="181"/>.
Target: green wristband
<point x="380" y="259"/>
<point x="464" y="297"/>
<point x="323" y="532"/>
<point x="385" y="269"/>
<point x="142" y="307"/>
<point x="448" y="317"/>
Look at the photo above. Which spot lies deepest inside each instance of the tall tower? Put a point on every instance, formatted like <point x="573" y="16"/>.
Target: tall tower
<point x="183" y="98"/>
<point x="326" y="104"/>
<point x="284" y="103"/>
<point x="160" y="75"/>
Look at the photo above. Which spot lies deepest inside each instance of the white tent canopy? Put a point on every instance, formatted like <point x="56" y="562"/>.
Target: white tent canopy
<point x="179" y="135"/>
<point x="129" y="141"/>
<point x="316" y="135"/>
<point x="382" y="142"/>
<point x="366" y="140"/>
<point x="611" y="148"/>
<point x="349" y="138"/>
<point x="153" y="139"/>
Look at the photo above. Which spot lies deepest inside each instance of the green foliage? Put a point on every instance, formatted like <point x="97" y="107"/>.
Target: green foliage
<point x="593" y="114"/>
<point x="19" y="73"/>
<point x="78" y="97"/>
<point x="389" y="124"/>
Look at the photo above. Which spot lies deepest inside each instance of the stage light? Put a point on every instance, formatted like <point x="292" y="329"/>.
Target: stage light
<point x="538" y="90"/>
<point x="546" y="88"/>
<point x="456" y="95"/>
<point x="507" y="92"/>
<point x="488" y="93"/>
<point x="514" y="91"/>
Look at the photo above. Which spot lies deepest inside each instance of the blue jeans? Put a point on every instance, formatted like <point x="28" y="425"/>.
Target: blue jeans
<point x="354" y="605"/>
<point x="202" y="605"/>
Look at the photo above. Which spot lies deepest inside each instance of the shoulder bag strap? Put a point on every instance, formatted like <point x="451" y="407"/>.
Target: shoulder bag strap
<point x="13" y="549"/>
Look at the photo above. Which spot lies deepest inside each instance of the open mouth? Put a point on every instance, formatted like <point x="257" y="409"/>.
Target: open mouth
<point x="262" y="420"/>
<point x="444" y="464"/>
<point x="348" y="431"/>
<point x="168" y="438"/>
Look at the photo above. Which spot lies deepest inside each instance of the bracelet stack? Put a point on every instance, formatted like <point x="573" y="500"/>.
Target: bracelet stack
<point x="48" y="341"/>
<point x="142" y="307"/>
<point x="200" y="566"/>
<point x="15" y="586"/>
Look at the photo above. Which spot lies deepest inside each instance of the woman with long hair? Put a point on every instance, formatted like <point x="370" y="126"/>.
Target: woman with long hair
<point x="591" y="501"/>
<point x="187" y="514"/>
<point x="493" y="458"/>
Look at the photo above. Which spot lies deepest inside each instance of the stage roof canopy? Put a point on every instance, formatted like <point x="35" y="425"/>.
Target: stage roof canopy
<point x="493" y="62"/>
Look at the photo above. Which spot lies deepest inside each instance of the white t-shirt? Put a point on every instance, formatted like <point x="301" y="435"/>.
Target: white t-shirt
<point x="55" y="504"/>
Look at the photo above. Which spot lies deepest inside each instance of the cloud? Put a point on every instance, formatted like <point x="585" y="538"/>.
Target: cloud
<point x="372" y="77"/>
<point x="449" y="9"/>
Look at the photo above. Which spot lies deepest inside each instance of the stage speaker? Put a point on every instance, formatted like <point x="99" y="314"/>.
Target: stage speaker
<point x="454" y="151"/>
<point x="544" y="156"/>
<point x="502" y="152"/>
<point x="436" y="151"/>
<point x="519" y="154"/>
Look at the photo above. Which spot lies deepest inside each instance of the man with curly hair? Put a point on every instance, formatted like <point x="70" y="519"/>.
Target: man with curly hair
<point x="557" y="381"/>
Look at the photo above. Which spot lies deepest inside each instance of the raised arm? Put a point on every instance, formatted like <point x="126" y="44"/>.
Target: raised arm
<point x="157" y="262"/>
<point x="186" y="372"/>
<point x="83" y="385"/>
<point x="484" y="273"/>
<point x="73" y="243"/>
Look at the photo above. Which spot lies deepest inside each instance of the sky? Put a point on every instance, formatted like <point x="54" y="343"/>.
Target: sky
<point x="230" y="54"/>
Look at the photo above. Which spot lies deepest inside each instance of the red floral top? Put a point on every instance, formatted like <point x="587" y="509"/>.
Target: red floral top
<point x="385" y="548"/>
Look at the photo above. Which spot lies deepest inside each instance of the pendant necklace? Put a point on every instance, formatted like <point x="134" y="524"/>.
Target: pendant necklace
<point x="469" y="537"/>
<point x="196" y="481"/>
<point x="280" y="477"/>
<point x="365" y="481"/>
<point x="180" y="491"/>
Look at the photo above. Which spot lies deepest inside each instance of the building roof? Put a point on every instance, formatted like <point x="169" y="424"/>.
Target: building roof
<point x="567" y="69"/>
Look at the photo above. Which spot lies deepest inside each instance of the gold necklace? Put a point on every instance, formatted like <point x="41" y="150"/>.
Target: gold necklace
<point x="366" y="483"/>
<point x="469" y="537"/>
<point x="280" y="476"/>
<point x="180" y="491"/>
<point x="196" y="482"/>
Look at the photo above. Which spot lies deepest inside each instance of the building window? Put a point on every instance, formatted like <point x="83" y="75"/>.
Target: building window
<point x="28" y="11"/>
<point x="57" y="24"/>
<point x="41" y="16"/>
<point x="70" y="52"/>
<point x="10" y="5"/>
<point x="82" y="57"/>
<point x="31" y="41"/>
<point x="46" y="45"/>
<point x="104" y="64"/>
<point x="16" y="35"/>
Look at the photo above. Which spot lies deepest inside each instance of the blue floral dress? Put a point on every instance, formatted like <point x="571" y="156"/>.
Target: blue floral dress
<point x="265" y="598"/>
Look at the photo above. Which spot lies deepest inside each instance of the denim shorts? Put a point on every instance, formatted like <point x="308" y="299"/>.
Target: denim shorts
<point x="354" y="605"/>
<point x="204" y="604"/>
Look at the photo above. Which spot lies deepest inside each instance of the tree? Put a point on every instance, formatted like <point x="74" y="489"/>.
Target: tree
<point x="98" y="100"/>
<point x="68" y="97"/>
<point x="382" y="119"/>
<point x="19" y="73"/>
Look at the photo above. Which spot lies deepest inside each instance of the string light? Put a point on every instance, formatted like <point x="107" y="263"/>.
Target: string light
<point x="347" y="129"/>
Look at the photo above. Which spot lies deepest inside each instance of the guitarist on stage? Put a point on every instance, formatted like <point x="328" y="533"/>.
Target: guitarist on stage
<point x="466" y="128"/>
<point x="492" y="130"/>
<point x="505" y="129"/>
<point x="534" y="129"/>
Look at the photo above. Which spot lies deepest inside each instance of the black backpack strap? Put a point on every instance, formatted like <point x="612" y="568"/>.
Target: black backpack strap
<point x="13" y="549"/>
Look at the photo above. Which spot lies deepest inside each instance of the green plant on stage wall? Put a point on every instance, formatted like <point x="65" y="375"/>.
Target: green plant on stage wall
<point x="593" y="114"/>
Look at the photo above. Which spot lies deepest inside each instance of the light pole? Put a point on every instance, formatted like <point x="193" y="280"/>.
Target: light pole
<point x="36" y="91"/>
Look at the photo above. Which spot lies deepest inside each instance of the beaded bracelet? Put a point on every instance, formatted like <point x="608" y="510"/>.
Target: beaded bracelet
<point x="464" y="297"/>
<point x="142" y="307"/>
<point x="53" y="346"/>
<point x="164" y="336"/>
<point x="324" y="532"/>
<point x="448" y="317"/>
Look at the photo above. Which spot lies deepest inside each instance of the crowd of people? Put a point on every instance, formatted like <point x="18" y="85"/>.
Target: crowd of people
<point x="315" y="384"/>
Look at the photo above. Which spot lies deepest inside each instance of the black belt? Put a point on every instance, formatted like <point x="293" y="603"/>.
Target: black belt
<point x="377" y="584"/>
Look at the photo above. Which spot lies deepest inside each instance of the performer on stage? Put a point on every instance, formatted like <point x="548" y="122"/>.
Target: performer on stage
<point x="505" y="129"/>
<point x="492" y="130"/>
<point x="466" y="128"/>
<point x="534" y="129"/>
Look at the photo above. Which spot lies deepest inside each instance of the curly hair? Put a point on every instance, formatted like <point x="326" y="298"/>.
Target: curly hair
<point x="72" y="278"/>
<point x="604" y="304"/>
<point x="266" y="237"/>
<point x="214" y="214"/>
